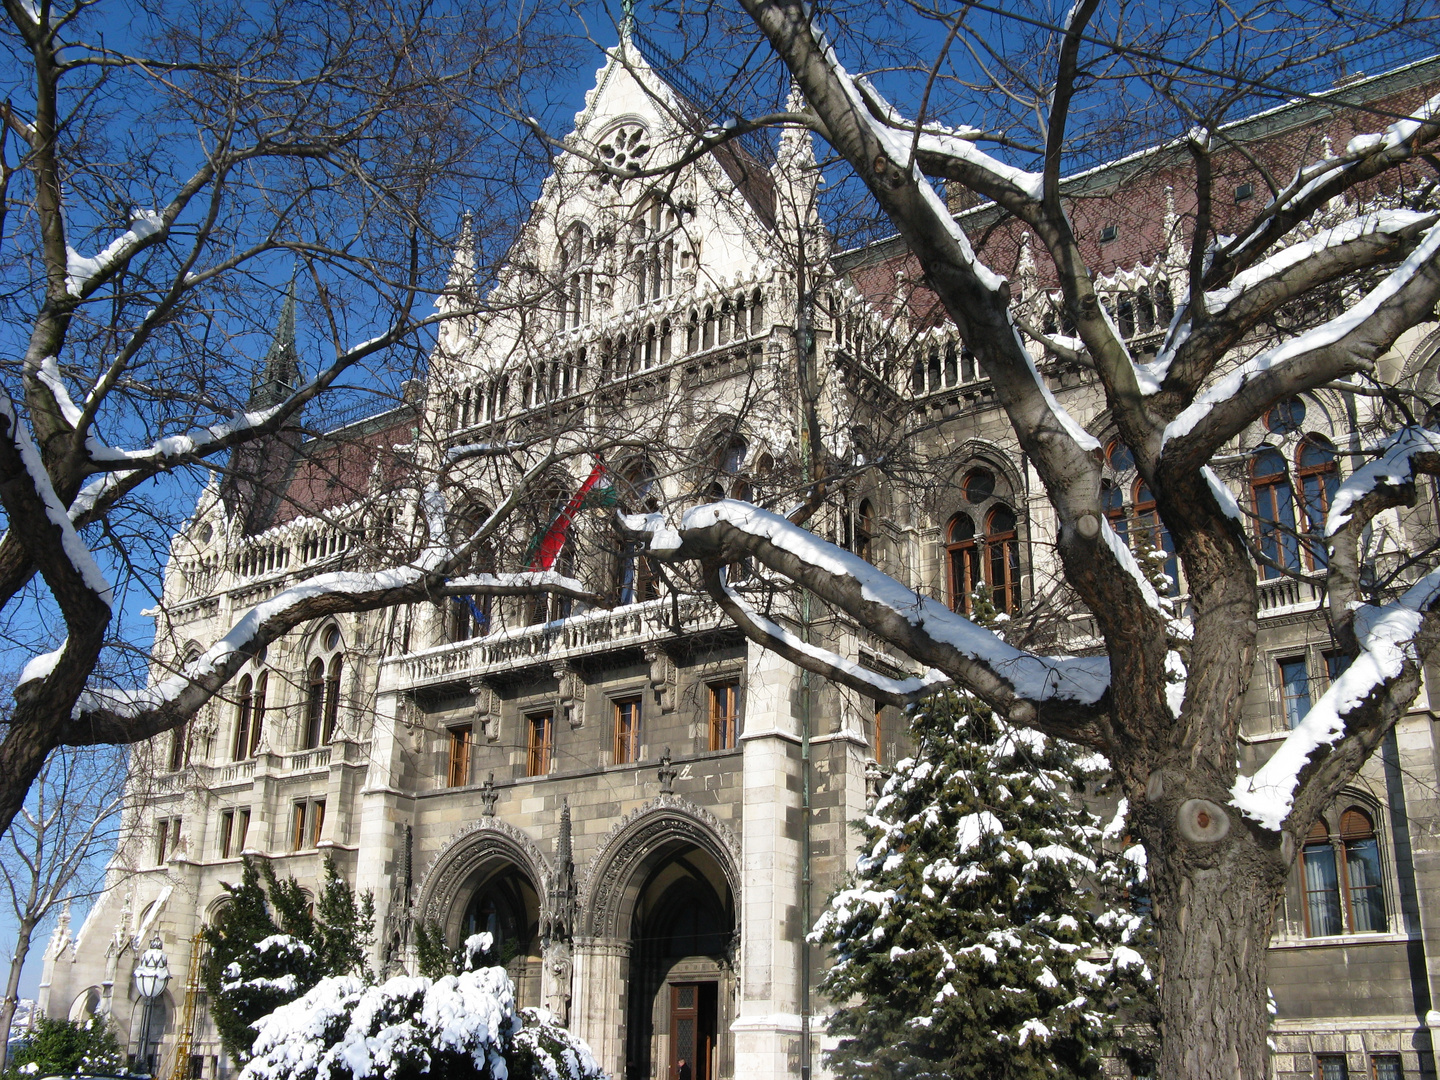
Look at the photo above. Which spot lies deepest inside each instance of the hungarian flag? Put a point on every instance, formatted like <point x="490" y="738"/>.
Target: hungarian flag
<point x="595" y="491"/>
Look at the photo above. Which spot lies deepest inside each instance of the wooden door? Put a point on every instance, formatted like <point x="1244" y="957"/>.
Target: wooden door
<point x="693" y="1027"/>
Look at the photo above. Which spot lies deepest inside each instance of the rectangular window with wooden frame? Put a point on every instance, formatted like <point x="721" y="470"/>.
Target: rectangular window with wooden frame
<point x="724" y="714"/>
<point x="317" y="821"/>
<point x="1386" y="1067"/>
<point x="540" y="735"/>
<point x="459" y="772"/>
<point x="227" y="832"/>
<point x="1294" y="689"/>
<point x="878" y="734"/>
<point x="297" y="825"/>
<point x="242" y="829"/>
<point x="1331" y="1067"/>
<point x="167" y="839"/>
<point x="627" y="730"/>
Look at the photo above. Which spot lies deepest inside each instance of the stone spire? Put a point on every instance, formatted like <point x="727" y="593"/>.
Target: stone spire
<point x="60" y="938"/>
<point x="560" y="923"/>
<point x="459" y="291"/>
<point x="280" y="374"/>
<point x="797" y="185"/>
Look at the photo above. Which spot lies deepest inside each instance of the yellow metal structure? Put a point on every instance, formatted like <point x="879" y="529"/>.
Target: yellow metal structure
<point x="185" y="1032"/>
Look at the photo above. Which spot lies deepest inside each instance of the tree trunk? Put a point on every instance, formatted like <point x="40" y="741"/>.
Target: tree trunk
<point x="12" y="987"/>
<point x="1214" y="907"/>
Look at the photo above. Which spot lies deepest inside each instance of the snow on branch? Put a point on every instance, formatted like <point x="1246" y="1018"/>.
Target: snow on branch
<point x="960" y="146"/>
<point x="831" y="664"/>
<point x="49" y="374"/>
<point x="80" y="270"/>
<point x="1386" y="222"/>
<point x="1387" y="642"/>
<point x="516" y="584"/>
<point x="456" y="454"/>
<point x="74" y="548"/>
<point x="172" y="448"/>
<point x="1328" y="334"/>
<point x="1395" y="467"/>
<point x="935" y="635"/>
<point x="1310" y="181"/>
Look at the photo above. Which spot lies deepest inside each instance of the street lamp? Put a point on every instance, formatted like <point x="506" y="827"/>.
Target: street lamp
<point x="152" y="974"/>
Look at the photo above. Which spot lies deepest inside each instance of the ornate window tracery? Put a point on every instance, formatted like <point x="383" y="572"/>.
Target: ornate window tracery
<point x="982" y="546"/>
<point x="1342" y="876"/>
<point x="322" y="690"/>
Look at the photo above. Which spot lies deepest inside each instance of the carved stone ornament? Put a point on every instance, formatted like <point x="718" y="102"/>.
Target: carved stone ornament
<point x="467" y="851"/>
<point x="487" y="708"/>
<point x="667" y="773"/>
<point x="570" y="699"/>
<point x="488" y="795"/>
<point x="664" y="677"/>
<point x="632" y="845"/>
<point x="556" y="975"/>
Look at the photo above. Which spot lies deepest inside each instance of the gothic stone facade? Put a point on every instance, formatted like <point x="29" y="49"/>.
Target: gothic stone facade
<point x="632" y="796"/>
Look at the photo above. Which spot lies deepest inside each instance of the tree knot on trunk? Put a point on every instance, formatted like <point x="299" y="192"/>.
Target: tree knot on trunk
<point x="1202" y="822"/>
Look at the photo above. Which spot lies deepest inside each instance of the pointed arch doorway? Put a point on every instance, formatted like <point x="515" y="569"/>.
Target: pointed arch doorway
<point x="681" y="971"/>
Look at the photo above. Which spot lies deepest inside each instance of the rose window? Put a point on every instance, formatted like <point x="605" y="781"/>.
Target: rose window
<point x="623" y="151"/>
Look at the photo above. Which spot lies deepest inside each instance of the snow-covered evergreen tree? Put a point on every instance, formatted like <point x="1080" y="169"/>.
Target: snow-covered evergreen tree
<point x="267" y="949"/>
<point x="461" y="1026"/>
<point x="983" y="934"/>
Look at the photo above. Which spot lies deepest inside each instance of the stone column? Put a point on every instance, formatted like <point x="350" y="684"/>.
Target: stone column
<point x="767" y="1030"/>
<point x="383" y="811"/>
<point x="599" y="973"/>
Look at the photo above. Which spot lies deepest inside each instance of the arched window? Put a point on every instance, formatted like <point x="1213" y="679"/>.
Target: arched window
<point x="982" y="544"/>
<point x="244" y="703"/>
<point x="314" y="704"/>
<point x="322" y="690"/>
<point x="962" y="556"/>
<point x="1364" y="890"/>
<point x="757" y="312"/>
<point x="249" y="717"/>
<point x="332" y="698"/>
<point x="1274" y="512"/>
<point x="635" y="578"/>
<point x="1342" y="878"/>
<point x="1003" y="554"/>
<point x="257" y="712"/>
<point x="708" y="341"/>
<point x="731" y="457"/>
<point x="576" y="277"/>
<point x="1322" y="884"/>
<point x="1315" y="469"/>
<point x="470" y="616"/>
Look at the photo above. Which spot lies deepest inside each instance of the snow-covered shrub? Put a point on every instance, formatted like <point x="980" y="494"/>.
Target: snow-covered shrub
<point x="267" y="948"/>
<point x="64" y="1047"/>
<point x="457" y="1027"/>
<point x="982" y="935"/>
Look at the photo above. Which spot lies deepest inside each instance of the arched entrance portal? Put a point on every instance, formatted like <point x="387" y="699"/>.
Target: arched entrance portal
<point x="491" y="877"/>
<point x="681" y="971"/>
<point x="504" y="903"/>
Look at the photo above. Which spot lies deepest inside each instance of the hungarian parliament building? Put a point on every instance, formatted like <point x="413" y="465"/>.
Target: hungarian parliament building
<point x="647" y="809"/>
